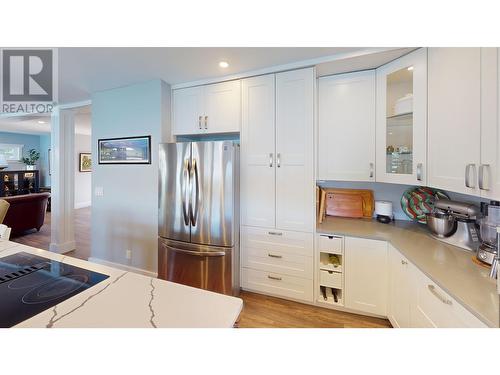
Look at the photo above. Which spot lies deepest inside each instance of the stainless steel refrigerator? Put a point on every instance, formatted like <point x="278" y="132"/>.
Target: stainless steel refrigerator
<point x="199" y="215"/>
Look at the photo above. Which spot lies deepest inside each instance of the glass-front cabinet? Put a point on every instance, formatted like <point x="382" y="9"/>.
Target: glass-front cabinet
<point x="402" y="120"/>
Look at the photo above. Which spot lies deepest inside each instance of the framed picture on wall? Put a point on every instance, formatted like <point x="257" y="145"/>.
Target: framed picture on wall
<point x="131" y="150"/>
<point x="85" y="162"/>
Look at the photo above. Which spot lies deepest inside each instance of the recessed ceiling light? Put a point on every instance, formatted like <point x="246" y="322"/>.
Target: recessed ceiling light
<point x="41" y="122"/>
<point x="410" y="68"/>
<point x="223" y="64"/>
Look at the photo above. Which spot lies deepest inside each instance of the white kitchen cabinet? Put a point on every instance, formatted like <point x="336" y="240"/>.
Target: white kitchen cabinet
<point x="432" y="307"/>
<point x="401" y="120"/>
<point x="400" y="289"/>
<point x="277" y="182"/>
<point x="223" y="107"/>
<point x="295" y="188"/>
<point x="257" y="153"/>
<point x="489" y="168"/>
<point x="187" y="110"/>
<point x="207" y="109"/>
<point x="366" y="281"/>
<point x="346" y="135"/>
<point x="454" y="126"/>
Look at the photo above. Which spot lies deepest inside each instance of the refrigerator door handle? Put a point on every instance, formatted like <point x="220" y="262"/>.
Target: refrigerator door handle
<point x="193" y="213"/>
<point x="198" y="253"/>
<point x="185" y="183"/>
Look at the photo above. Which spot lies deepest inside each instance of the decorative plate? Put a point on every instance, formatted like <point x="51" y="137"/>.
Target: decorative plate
<point x="417" y="201"/>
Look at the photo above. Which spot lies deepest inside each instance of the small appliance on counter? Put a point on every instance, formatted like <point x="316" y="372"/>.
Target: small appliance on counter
<point x="383" y="210"/>
<point x="488" y="250"/>
<point x="454" y="222"/>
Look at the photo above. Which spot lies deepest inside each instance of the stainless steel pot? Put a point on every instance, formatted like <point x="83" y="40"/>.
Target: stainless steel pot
<point x="441" y="224"/>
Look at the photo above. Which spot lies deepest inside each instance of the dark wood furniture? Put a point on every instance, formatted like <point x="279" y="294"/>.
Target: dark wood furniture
<point x="19" y="182"/>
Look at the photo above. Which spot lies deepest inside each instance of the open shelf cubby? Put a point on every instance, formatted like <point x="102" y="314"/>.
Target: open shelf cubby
<point x="330" y="300"/>
<point x="325" y="262"/>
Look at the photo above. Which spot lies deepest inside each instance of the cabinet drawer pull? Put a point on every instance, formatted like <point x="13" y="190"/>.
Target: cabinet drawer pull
<point x="199" y="121"/>
<point x="371" y="170"/>
<point x="278" y="160"/>
<point x="271" y="160"/>
<point x="274" y="278"/>
<point x="206" y="122"/>
<point x="404" y="262"/>
<point x="274" y="256"/>
<point x="443" y="299"/>
<point x="275" y="233"/>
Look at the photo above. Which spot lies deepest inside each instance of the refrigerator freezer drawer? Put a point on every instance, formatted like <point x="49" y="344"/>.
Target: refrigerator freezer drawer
<point x="205" y="267"/>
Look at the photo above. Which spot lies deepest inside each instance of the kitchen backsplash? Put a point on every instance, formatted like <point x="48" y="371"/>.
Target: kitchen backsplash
<point x="392" y="193"/>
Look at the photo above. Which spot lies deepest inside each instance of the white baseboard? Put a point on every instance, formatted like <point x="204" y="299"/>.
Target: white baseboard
<point x="82" y="205"/>
<point x="62" y="248"/>
<point x="123" y="267"/>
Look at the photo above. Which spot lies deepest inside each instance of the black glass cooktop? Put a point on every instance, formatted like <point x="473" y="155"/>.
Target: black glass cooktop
<point x="30" y="284"/>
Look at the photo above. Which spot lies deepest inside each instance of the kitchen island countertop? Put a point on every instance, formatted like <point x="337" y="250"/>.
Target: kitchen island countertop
<point x="449" y="266"/>
<point x="130" y="300"/>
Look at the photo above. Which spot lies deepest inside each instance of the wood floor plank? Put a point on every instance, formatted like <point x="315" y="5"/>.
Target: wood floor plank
<point x="41" y="239"/>
<point x="260" y="311"/>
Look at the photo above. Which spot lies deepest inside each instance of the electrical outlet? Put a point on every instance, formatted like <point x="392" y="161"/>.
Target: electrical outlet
<point x="128" y="254"/>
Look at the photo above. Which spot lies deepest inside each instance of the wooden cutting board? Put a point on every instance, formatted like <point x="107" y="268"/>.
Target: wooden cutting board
<point x="349" y="202"/>
<point x="345" y="205"/>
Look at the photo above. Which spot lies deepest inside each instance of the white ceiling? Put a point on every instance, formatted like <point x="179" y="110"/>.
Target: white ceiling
<point x="33" y="125"/>
<point x="83" y="71"/>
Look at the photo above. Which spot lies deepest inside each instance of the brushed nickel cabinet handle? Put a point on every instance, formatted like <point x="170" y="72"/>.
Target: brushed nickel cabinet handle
<point x="274" y="256"/>
<point x="467" y="175"/>
<point x="403" y="262"/>
<point x="199" y="121"/>
<point x="419" y="172"/>
<point x="274" y="278"/>
<point x="278" y="160"/>
<point x="481" y="177"/>
<point x="371" y="170"/>
<point x="443" y="299"/>
<point x="271" y="160"/>
<point x="275" y="233"/>
<point x="206" y="122"/>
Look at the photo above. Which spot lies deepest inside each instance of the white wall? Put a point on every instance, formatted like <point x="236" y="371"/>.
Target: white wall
<point x="126" y="216"/>
<point x="83" y="180"/>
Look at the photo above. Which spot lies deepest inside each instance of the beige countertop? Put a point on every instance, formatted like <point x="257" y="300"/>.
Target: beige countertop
<point x="450" y="267"/>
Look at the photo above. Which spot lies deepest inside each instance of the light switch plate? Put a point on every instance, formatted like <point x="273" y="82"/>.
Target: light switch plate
<point x="99" y="191"/>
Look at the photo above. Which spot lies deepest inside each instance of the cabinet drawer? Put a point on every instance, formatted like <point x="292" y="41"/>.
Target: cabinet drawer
<point x="331" y="244"/>
<point x="272" y="240"/>
<point x="277" y="261"/>
<point x="436" y="308"/>
<point x="277" y="284"/>
<point x="330" y="278"/>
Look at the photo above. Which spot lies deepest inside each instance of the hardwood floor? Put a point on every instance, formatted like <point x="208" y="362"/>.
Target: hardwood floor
<point x="41" y="239"/>
<point x="261" y="311"/>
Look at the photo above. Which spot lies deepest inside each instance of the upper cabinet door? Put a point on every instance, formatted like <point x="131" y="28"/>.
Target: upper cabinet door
<point x="257" y="153"/>
<point x="402" y="120"/>
<point x="187" y="111"/>
<point x="454" y="118"/>
<point x="347" y="127"/>
<point x="489" y="170"/>
<point x="295" y="190"/>
<point x="222" y="107"/>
